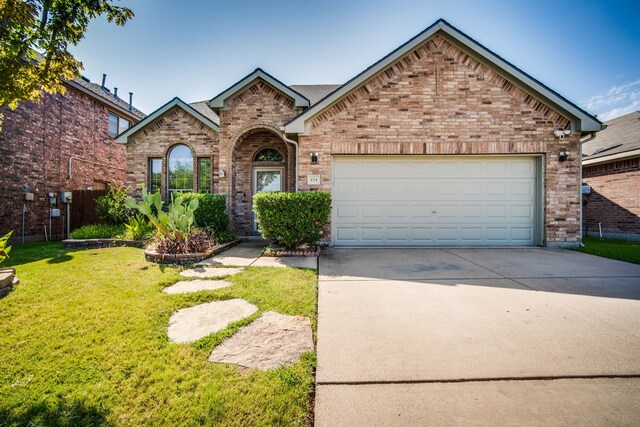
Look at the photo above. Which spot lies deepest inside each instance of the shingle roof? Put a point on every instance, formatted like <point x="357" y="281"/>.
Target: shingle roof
<point x="203" y="108"/>
<point x="622" y="134"/>
<point x="105" y="95"/>
<point x="314" y="93"/>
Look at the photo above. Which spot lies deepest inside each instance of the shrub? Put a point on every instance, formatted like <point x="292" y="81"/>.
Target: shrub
<point x="139" y="228"/>
<point x="212" y="215"/>
<point x="99" y="231"/>
<point x="292" y="218"/>
<point x="177" y="224"/>
<point x="112" y="207"/>
<point x="4" y="248"/>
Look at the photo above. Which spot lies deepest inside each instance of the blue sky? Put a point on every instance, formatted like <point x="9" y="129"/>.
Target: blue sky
<point x="588" y="51"/>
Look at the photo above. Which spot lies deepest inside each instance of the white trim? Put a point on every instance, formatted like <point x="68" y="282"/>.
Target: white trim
<point x="219" y="101"/>
<point x="123" y="138"/>
<point x="612" y="157"/>
<point x="587" y="123"/>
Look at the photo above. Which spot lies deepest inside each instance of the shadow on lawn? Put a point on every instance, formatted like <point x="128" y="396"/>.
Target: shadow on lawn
<point x="63" y="414"/>
<point x="31" y="252"/>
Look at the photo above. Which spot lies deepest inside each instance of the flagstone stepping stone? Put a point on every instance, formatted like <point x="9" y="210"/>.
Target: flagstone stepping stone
<point x="188" y="286"/>
<point x="203" y="273"/>
<point x="192" y="323"/>
<point x="270" y="341"/>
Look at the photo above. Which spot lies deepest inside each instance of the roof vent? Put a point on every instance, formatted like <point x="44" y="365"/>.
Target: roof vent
<point x="130" y="101"/>
<point x="104" y="80"/>
<point x="115" y="92"/>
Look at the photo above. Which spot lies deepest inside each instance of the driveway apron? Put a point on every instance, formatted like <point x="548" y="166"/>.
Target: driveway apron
<point x="425" y="330"/>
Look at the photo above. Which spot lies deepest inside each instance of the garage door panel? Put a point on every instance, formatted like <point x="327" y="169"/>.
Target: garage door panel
<point x="434" y="200"/>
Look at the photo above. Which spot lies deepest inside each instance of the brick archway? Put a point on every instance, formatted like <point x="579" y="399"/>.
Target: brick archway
<point x="247" y="143"/>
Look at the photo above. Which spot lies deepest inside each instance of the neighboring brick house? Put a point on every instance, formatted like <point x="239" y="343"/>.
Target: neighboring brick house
<point x="611" y="169"/>
<point x="63" y="143"/>
<point x="441" y="142"/>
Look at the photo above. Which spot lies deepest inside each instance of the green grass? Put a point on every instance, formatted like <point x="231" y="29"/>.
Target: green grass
<point x="622" y="250"/>
<point x="99" y="231"/>
<point x="83" y="342"/>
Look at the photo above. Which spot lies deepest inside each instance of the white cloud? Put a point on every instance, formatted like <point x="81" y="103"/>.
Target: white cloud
<point x="616" y="101"/>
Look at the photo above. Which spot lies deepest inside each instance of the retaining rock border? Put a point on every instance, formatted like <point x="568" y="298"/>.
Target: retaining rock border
<point x="101" y="243"/>
<point x="151" y="255"/>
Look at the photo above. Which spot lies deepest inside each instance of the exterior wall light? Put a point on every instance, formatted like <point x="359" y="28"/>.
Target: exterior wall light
<point x="564" y="155"/>
<point x="314" y="158"/>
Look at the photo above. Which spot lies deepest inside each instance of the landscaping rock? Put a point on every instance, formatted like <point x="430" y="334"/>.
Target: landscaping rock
<point x="188" y="286"/>
<point x="203" y="273"/>
<point x="192" y="323"/>
<point x="270" y="341"/>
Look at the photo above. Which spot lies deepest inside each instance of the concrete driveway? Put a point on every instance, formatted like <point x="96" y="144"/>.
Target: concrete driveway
<point x="524" y="336"/>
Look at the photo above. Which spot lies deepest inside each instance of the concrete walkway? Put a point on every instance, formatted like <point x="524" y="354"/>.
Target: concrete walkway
<point x="517" y="336"/>
<point x="249" y="253"/>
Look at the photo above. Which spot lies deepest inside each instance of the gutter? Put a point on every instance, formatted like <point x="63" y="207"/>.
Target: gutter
<point x="612" y="157"/>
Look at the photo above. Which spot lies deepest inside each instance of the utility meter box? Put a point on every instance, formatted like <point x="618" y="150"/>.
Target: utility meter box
<point x="29" y="197"/>
<point x="55" y="213"/>
<point x="65" y="196"/>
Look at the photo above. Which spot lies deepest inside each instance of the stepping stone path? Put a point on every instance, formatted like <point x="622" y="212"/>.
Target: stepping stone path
<point x="192" y="323"/>
<point x="270" y="341"/>
<point x="203" y="273"/>
<point x="188" y="286"/>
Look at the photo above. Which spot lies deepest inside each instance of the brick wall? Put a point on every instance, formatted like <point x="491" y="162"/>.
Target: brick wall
<point x="243" y="173"/>
<point x="36" y="142"/>
<point x="614" y="200"/>
<point x="439" y="100"/>
<point x="156" y="139"/>
<point x="251" y="120"/>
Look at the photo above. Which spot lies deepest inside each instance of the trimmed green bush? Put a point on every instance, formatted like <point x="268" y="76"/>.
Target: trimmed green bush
<point x="292" y="218"/>
<point x="212" y="214"/>
<point x="99" y="231"/>
<point x="112" y="207"/>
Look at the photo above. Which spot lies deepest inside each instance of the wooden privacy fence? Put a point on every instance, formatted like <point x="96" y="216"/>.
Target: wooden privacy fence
<point x="83" y="208"/>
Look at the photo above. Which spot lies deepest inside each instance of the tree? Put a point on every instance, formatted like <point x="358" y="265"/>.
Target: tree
<point x="34" y="40"/>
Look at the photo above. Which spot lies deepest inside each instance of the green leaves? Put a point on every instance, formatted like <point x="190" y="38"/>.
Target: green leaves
<point x="4" y="249"/>
<point x="292" y="218"/>
<point x="34" y="39"/>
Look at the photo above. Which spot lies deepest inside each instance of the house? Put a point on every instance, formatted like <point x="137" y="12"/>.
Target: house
<point x="440" y="142"/>
<point x="611" y="170"/>
<point x="63" y="143"/>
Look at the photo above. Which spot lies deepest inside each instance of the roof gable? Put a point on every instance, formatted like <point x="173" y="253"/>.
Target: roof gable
<point x="581" y="120"/>
<point x="219" y="101"/>
<point x="123" y="138"/>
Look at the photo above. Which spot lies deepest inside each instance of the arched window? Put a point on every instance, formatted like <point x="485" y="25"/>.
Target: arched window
<point x="180" y="169"/>
<point x="268" y="155"/>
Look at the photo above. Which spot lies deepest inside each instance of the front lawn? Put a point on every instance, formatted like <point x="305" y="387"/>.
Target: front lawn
<point x="83" y="342"/>
<point x="622" y="250"/>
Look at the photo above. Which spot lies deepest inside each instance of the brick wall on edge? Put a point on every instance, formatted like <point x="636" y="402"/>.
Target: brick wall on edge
<point x="615" y="197"/>
<point x="36" y="142"/>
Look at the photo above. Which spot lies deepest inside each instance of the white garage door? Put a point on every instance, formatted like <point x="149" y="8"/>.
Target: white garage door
<point x="434" y="200"/>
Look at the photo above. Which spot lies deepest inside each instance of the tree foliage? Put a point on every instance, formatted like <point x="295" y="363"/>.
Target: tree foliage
<point x="34" y="40"/>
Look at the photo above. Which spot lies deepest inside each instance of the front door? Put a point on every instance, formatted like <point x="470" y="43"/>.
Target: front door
<point x="265" y="180"/>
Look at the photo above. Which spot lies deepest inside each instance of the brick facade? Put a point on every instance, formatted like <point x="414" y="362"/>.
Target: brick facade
<point x="434" y="100"/>
<point x="36" y="142"/>
<point x="158" y="138"/>
<point x="438" y="100"/>
<point x="614" y="201"/>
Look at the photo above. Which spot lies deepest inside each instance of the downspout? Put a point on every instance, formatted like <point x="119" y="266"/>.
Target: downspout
<point x="295" y="144"/>
<point x="582" y="141"/>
